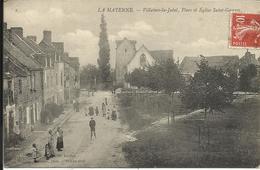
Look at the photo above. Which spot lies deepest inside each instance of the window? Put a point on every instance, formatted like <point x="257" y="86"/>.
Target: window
<point x="20" y="86"/>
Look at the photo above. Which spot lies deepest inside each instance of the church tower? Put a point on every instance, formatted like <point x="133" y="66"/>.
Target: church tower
<point x="125" y="51"/>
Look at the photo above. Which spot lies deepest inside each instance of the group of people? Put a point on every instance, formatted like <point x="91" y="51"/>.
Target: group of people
<point x="49" y="151"/>
<point x="105" y="112"/>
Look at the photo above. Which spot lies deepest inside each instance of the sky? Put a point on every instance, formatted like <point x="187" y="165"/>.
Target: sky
<point x="77" y="24"/>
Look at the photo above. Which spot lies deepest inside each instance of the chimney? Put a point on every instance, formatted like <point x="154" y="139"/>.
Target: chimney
<point x="17" y="30"/>
<point x="32" y="37"/>
<point x="59" y="47"/>
<point x="47" y="36"/>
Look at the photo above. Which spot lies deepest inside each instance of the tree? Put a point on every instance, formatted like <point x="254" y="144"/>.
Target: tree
<point x="246" y="75"/>
<point x="104" y="52"/>
<point x="209" y="88"/>
<point x="88" y="76"/>
<point x="161" y="76"/>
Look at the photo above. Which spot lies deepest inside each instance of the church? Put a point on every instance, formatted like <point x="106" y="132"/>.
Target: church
<point x="129" y="58"/>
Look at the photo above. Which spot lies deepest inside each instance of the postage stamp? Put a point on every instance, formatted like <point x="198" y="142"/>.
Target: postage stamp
<point x="245" y="30"/>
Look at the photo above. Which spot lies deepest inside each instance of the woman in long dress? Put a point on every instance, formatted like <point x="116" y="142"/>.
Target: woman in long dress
<point x="50" y="143"/>
<point x="59" y="145"/>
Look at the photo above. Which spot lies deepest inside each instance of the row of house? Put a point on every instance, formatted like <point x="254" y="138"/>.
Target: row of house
<point x="189" y="65"/>
<point x="35" y="74"/>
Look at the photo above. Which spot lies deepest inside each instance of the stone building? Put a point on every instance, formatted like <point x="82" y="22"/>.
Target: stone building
<point x="56" y="78"/>
<point x="128" y="58"/>
<point x="27" y="87"/>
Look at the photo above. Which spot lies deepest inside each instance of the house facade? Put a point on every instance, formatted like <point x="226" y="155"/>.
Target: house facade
<point x="27" y="89"/>
<point x="128" y="58"/>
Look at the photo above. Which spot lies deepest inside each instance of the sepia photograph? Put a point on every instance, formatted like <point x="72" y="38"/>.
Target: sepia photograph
<point x="131" y="84"/>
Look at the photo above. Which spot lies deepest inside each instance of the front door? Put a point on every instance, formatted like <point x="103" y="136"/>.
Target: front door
<point x="32" y="115"/>
<point x="11" y="122"/>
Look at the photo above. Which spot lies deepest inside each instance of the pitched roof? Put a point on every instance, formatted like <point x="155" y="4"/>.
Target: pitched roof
<point x="15" y="68"/>
<point x="33" y="45"/>
<point x="162" y="55"/>
<point x="189" y="64"/>
<point x="22" y="45"/>
<point x="28" y="62"/>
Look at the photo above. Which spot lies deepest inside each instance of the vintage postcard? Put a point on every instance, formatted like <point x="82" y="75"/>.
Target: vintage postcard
<point x="131" y="84"/>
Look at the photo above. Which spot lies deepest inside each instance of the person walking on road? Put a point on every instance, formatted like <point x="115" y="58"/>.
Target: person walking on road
<point x="59" y="145"/>
<point x="50" y="143"/>
<point x="96" y="110"/>
<point x="92" y="125"/>
<point x="104" y="109"/>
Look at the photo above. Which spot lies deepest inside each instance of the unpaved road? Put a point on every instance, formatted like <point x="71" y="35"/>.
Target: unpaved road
<point x="80" y="151"/>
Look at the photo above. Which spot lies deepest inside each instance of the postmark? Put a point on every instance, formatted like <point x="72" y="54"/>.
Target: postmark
<point x="245" y="30"/>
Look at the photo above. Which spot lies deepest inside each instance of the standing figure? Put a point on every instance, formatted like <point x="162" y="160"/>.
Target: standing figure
<point x="50" y="144"/>
<point x="59" y="145"/>
<point x="74" y="104"/>
<point x="92" y="125"/>
<point x="106" y="101"/>
<point x="34" y="153"/>
<point x="91" y="111"/>
<point x="17" y="133"/>
<point x="114" y="116"/>
<point x="104" y="109"/>
<point x="108" y="114"/>
<point x="77" y="106"/>
<point x="96" y="110"/>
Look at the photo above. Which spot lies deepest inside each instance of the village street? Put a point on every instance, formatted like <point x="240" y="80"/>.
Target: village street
<point x="79" y="150"/>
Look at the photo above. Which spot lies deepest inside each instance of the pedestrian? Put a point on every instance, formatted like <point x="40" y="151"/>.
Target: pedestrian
<point x="77" y="106"/>
<point x="59" y="145"/>
<point x="114" y="115"/>
<point x="47" y="151"/>
<point x="50" y="144"/>
<point x="17" y="133"/>
<point x="106" y="101"/>
<point x="35" y="154"/>
<point x="74" y="104"/>
<point x="91" y="111"/>
<point x="108" y="114"/>
<point x="97" y="112"/>
<point x="104" y="109"/>
<point x="92" y="125"/>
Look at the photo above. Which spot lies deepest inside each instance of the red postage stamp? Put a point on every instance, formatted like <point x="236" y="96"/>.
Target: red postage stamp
<point x="245" y="30"/>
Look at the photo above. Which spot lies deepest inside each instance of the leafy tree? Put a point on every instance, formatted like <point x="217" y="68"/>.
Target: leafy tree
<point x="161" y="76"/>
<point x="104" y="52"/>
<point x="209" y="88"/>
<point x="88" y="76"/>
<point x="246" y="75"/>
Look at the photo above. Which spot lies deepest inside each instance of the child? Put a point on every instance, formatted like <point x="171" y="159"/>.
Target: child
<point x="34" y="153"/>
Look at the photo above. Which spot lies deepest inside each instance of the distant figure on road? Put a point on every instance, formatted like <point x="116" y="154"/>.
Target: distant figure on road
<point x="77" y="106"/>
<point x="91" y="111"/>
<point x="50" y="143"/>
<point x="59" y="145"/>
<point x="104" y="109"/>
<point x="106" y="101"/>
<point x="96" y="110"/>
<point x="114" y="116"/>
<point x="92" y="125"/>
<point x="74" y="104"/>
<point x="108" y="114"/>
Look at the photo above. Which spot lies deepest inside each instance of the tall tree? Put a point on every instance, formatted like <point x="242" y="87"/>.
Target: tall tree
<point x="104" y="52"/>
<point x="88" y="76"/>
<point x="209" y="88"/>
